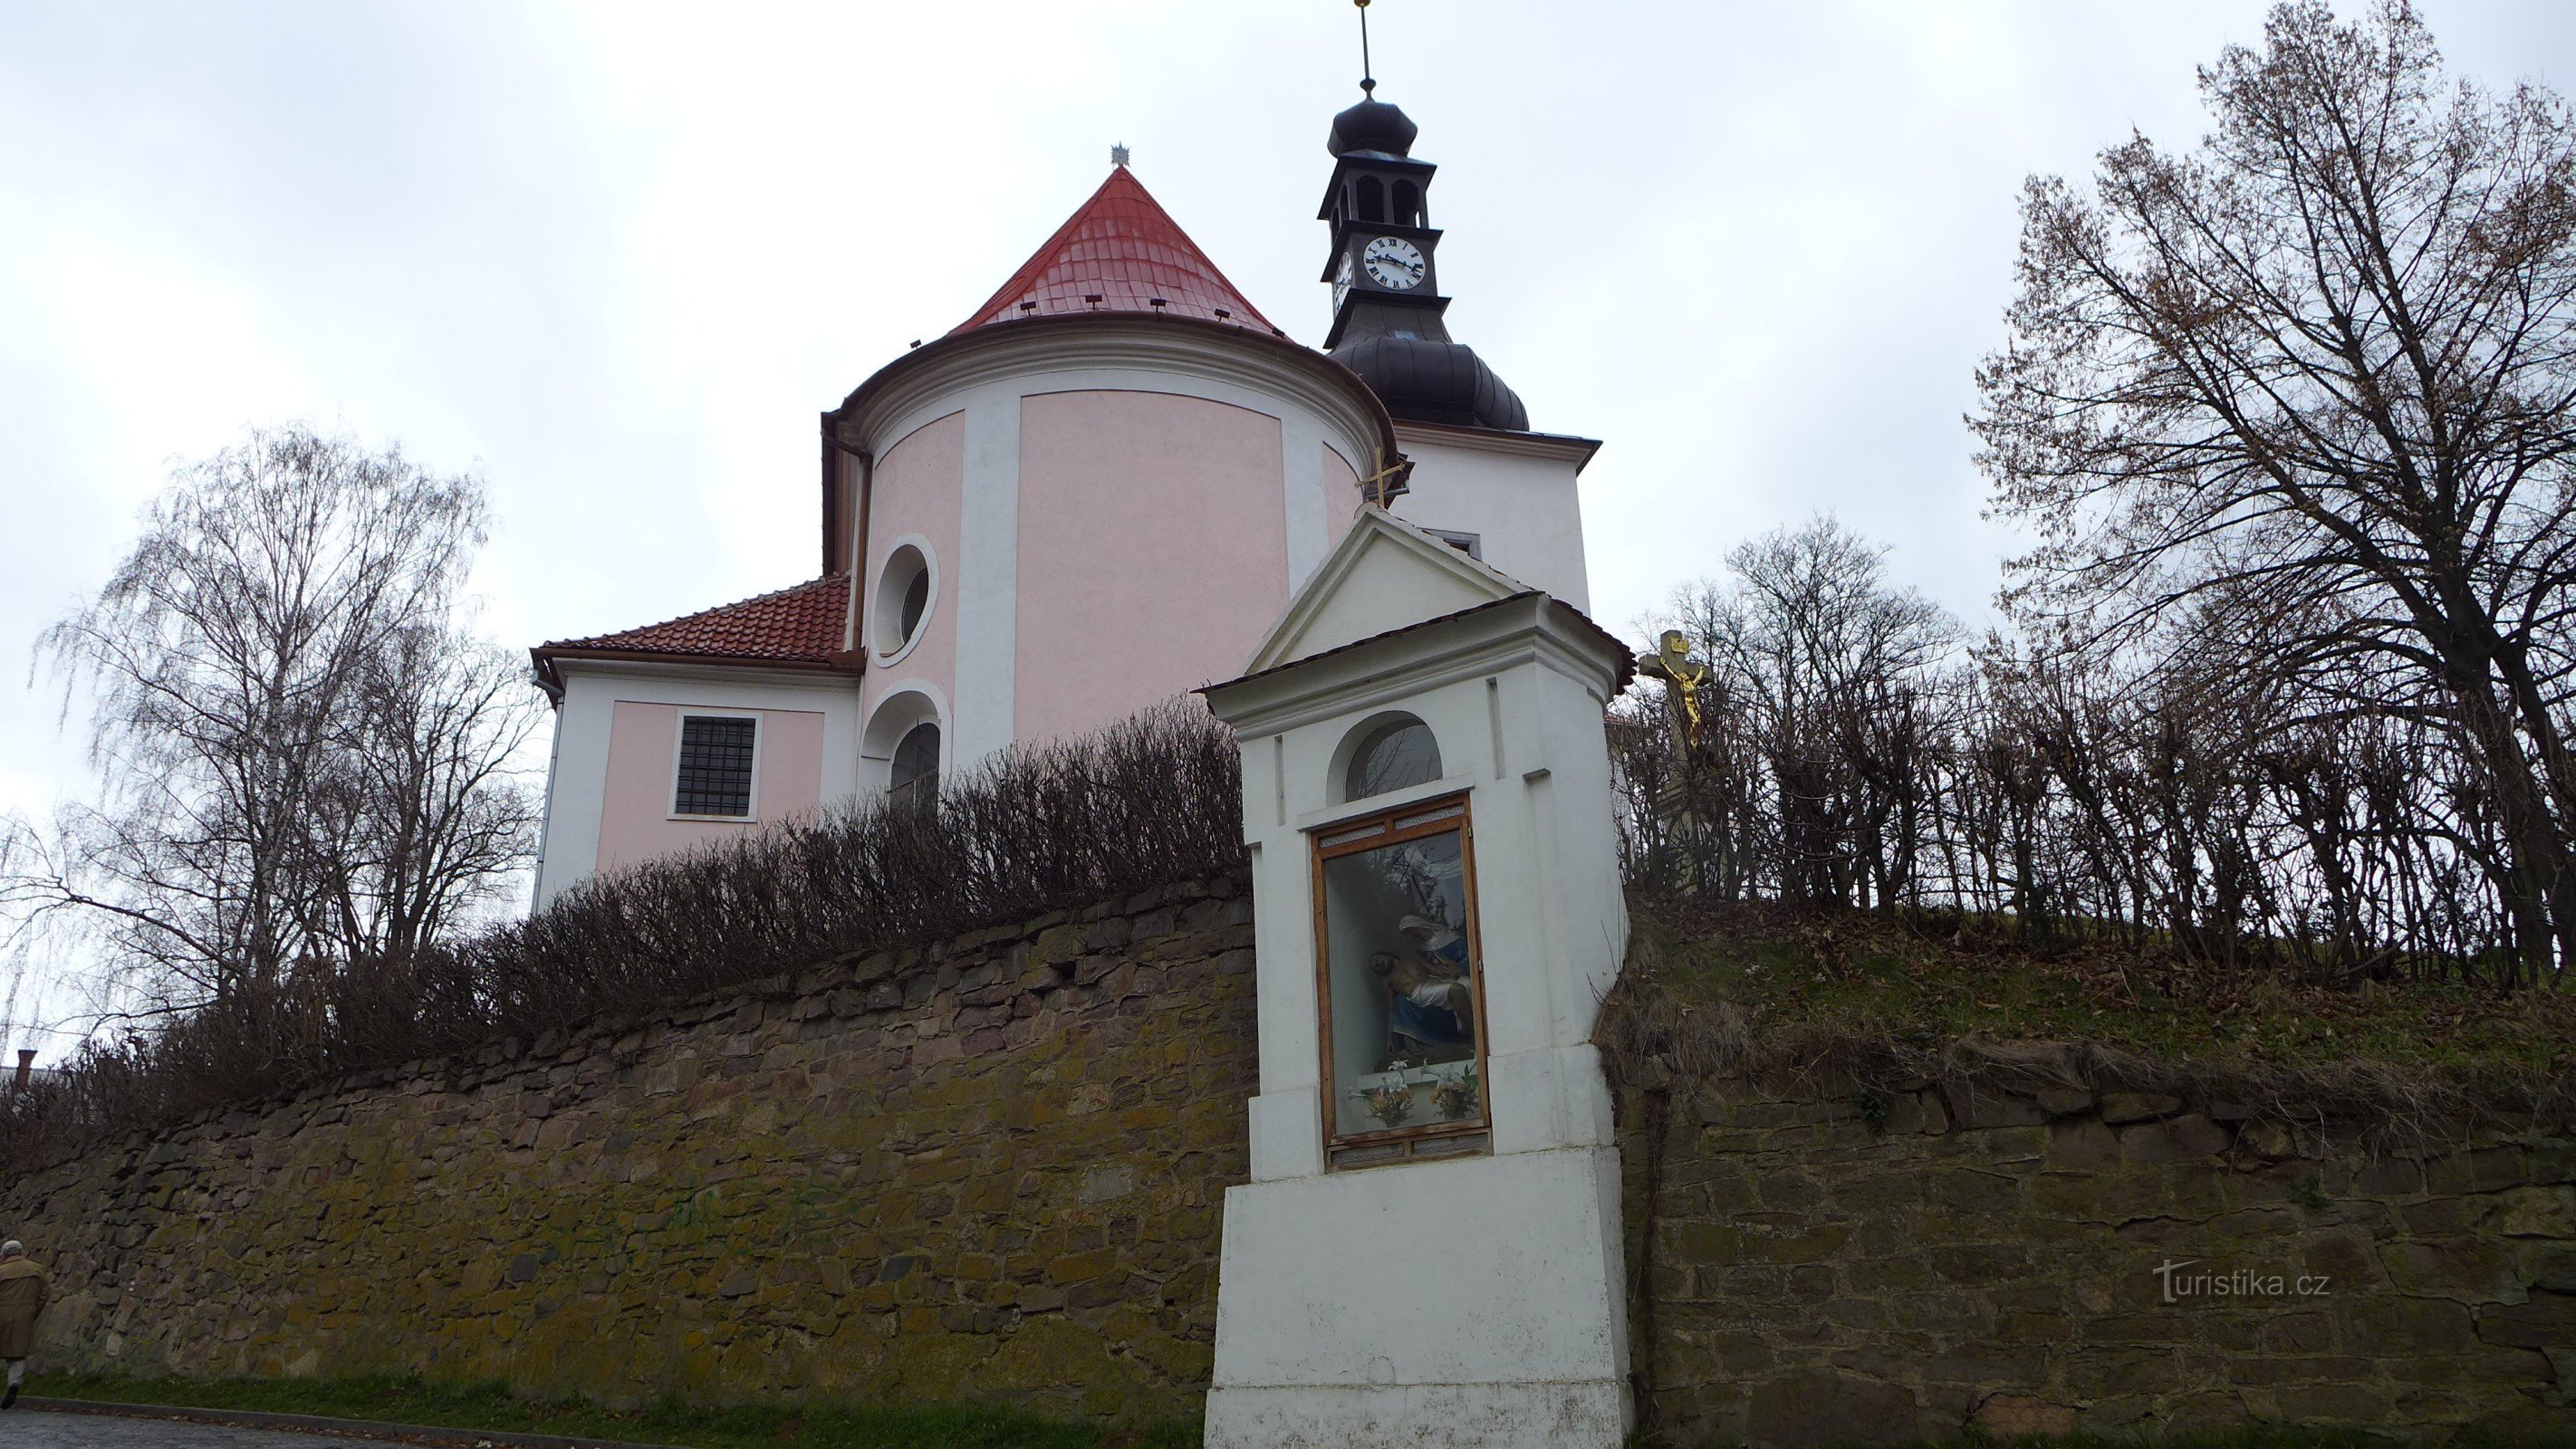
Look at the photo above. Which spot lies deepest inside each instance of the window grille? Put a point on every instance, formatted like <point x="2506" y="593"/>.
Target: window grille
<point x="715" y="766"/>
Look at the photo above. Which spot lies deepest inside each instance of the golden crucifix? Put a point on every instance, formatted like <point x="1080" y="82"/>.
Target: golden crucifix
<point x="1673" y="664"/>
<point x="1388" y="481"/>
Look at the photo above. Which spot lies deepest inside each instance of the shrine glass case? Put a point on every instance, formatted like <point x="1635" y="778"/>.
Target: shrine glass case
<point x="1400" y="986"/>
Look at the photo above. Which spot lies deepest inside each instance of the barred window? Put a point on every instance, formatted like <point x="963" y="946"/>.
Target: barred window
<point x="715" y="765"/>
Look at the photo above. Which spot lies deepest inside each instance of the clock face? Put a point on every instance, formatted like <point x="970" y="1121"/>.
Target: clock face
<point x="1393" y="263"/>
<point x="1342" y="280"/>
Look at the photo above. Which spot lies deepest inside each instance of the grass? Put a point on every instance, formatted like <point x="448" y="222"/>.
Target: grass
<point x="814" y="1424"/>
<point x="492" y="1406"/>
<point x="1920" y="985"/>
<point x="2245" y="1436"/>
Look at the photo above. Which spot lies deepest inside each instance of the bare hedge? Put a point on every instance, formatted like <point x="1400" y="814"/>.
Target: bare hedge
<point x="1039" y="828"/>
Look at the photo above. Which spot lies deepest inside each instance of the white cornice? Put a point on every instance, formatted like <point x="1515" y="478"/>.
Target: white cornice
<point x="1034" y="349"/>
<point x="1555" y="447"/>
<point x="835" y="680"/>
<point x="1526" y="628"/>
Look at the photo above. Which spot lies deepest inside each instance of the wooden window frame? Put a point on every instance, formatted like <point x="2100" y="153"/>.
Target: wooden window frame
<point x="1354" y="835"/>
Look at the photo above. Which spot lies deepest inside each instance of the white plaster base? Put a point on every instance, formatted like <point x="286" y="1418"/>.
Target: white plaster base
<point x="1425" y="1416"/>
<point x="1474" y="1302"/>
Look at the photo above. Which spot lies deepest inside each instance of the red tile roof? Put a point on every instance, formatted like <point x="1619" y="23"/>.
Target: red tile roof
<point x="800" y="626"/>
<point x="1122" y="247"/>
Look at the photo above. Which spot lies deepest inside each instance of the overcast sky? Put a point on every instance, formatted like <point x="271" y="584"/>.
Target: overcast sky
<point x="616" y="257"/>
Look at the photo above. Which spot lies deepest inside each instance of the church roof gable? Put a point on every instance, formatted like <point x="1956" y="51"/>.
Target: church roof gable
<point x="1124" y="249"/>
<point x="1385" y="574"/>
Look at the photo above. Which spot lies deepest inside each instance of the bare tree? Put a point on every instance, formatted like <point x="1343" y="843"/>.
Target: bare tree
<point x="1817" y="670"/>
<point x="2324" y="367"/>
<point x="303" y="755"/>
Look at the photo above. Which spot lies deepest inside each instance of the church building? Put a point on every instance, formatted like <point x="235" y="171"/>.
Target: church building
<point x="1092" y="496"/>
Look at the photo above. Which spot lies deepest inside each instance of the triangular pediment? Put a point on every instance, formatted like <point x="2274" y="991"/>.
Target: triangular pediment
<point x="1385" y="574"/>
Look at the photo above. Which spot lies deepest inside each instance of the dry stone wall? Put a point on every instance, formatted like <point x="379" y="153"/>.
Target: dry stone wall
<point x="988" y="1170"/>
<point x="994" y="1169"/>
<point x="1867" y="1268"/>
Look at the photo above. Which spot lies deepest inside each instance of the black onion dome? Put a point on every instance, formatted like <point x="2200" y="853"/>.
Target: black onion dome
<point x="1372" y="125"/>
<point x="1426" y="381"/>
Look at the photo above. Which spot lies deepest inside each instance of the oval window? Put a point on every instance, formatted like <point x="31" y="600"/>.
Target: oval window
<point x="903" y="598"/>
<point x="916" y="766"/>
<point x="916" y="602"/>
<point x="1394" y="755"/>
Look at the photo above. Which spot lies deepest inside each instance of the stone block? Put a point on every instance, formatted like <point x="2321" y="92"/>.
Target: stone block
<point x="2387" y="1325"/>
<point x="2124" y="1107"/>
<point x="2081" y="1144"/>
<point x="2464" y="1269"/>
<point x="1917" y="1113"/>
<point x="1974" y="1190"/>
<point x="2550" y="1267"/>
<point x="2008" y="1416"/>
<point x="1978" y="1265"/>
<point x="2186" y="1138"/>
<point x="2099" y="1375"/>
<point x="1818" y="1408"/>
<point x="2299" y="1333"/>
<point x="2064" y="1101"/>
<point x="2388" y="1176"/>
<point x="2345" y="1257"/>
<point x="2536" y="1212"/>
<point x="2546" y="1321"/>
<point x="1984" y="1365"/>
<point x="1977" y="1109"/>
<point x="1802" y="1243"/>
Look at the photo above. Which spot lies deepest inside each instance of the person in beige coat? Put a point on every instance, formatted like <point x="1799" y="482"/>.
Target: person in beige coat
<point x="22" y="1297"/>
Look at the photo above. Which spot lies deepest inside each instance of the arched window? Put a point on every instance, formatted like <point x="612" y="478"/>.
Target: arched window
<point x="1408" y="204"/>
<point x="1372" y="199"/>
<point x="916" y="767"/>
<point x="1395" y="754"/>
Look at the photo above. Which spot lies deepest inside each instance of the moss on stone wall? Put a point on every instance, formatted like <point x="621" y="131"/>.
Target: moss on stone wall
<point x="994" y="1170"/>
<point x="987" y="1170"/>
<point x="1863" y="1267"/>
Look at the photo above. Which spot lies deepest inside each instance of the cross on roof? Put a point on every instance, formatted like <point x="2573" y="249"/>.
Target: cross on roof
<point x="1388" y="481"/>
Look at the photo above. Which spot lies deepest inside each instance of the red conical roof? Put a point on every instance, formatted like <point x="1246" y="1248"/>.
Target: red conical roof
<point x="1123" y="248"/>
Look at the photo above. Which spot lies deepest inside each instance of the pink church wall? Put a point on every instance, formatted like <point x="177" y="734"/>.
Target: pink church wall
<point x="643" y="740"/>
<point x="1130" y="501"/>
<point x="919" y="487"/>
<point x="1341" y="493"/>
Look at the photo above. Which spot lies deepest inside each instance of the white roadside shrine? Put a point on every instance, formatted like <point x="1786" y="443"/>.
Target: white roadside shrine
<point x="1429" y="1251"/>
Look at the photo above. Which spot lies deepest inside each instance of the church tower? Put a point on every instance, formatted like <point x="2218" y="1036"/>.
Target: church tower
<point x="1384" y="267"/>
<point x="1473" y="472"/>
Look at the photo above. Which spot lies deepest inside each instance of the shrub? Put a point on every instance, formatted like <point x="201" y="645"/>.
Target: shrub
<point x="1154" y="800"/>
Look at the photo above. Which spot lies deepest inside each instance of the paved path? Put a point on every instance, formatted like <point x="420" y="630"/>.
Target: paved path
<point x="22" y="1429"/>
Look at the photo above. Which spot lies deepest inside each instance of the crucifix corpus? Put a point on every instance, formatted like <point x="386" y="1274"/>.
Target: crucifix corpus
<point x="1673" y="664"/>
